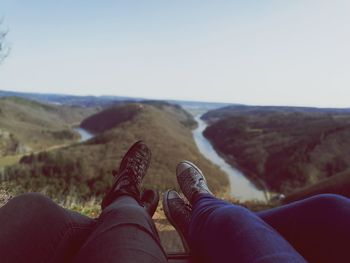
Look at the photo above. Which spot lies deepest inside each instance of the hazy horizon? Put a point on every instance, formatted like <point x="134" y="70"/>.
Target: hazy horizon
<point x="257" y="53"/>
<point x="172" y="99"/>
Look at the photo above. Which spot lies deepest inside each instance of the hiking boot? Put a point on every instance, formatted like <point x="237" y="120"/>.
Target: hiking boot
<point x="149" y="200"/>
<point x="191" y="180"/>
<point x="132" y="170"/>
<point x="178" y="214"/>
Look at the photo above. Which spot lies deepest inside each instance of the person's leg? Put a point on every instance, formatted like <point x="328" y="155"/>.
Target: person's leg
<point x="222" y="232"/>
<point x="35" y="229"/>
<point x="219" y="231"/>
<point x="125" y="233"/>
<point x="318" y="227"/>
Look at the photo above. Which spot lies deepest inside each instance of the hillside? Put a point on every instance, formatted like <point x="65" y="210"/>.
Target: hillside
<point x="239" y="110"/>
<point x="115" y="115"/>
<point x="287" y="149"/>
<point x="336" y="184"/>
<point x="84" y="169"/>
<point x="27" y="125"/>
<point x="66" y="99"/>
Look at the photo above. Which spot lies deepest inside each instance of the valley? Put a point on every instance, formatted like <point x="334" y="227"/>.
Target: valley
<point x="283" y="148"/>
<point x="84" y="169"/>
<point x="68" y="152"/>
<point x="240" y="187"/>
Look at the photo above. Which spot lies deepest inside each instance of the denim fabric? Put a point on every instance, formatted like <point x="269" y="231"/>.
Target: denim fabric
<point x="314" y="229"/>
<point x="124" y="233"/>
<point x="317" y="227"/>
<point x="222" y="232"/>
<point x="35" y="229"/>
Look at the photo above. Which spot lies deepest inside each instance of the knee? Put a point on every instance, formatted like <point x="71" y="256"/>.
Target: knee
<point x="132" y="209"/>
<point x="330" y="202"/>
<point x="31" y="209"/>
<point x="126" y="209"/>
<point x="230" y="215"/>
<point x="30" y="201"/>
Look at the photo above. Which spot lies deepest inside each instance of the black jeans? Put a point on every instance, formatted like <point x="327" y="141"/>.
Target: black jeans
<point x="35" y="229"/>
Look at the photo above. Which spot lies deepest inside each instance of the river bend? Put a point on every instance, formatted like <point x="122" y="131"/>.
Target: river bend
<point x="240" y="187"/>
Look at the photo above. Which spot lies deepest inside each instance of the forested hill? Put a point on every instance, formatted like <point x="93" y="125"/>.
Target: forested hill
<point x="30" y="125"/>
<point x="114" y="116"/>
<point x="239" y="110"/>
<point x="66" y="99"/>
<point x="84" y="169"/>
<point x="287" y="148"/>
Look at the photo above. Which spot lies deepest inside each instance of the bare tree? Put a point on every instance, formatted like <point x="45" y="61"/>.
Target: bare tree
<point x="4" y="48"/>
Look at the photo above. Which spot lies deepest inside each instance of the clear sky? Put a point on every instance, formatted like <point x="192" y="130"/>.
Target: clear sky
<point x="275" y="52"/>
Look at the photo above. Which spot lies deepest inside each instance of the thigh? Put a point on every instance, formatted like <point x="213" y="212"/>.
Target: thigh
<point x="124" y="233"/>
<point x="222" y="232"/>
<point x="318" y="227"/>
<point x="35" y="229"/>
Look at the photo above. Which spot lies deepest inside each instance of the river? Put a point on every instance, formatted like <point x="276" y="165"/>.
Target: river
<point x="84" y="134"/>
<point x="240" y="187"/>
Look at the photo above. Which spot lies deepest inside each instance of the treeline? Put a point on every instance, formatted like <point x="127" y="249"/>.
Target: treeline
<point x="58" y="175"/>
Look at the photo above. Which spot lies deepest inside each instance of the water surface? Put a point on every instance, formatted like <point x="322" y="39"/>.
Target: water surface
<point x="84" y="134"/>
<point x="240" y="187"/>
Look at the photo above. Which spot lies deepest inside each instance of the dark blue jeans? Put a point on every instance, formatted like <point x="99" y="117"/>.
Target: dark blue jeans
<point x="315" y="229"/>
<point x="35" y="229"/>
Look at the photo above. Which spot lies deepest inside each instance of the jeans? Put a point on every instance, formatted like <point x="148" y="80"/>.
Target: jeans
<point x="35" y="229"/>
<point x="314" y="230"/>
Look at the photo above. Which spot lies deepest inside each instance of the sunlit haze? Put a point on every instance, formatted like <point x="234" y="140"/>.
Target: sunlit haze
<point x="253" y="52"/>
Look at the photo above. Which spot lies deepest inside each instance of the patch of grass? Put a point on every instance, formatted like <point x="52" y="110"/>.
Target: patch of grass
<point x="9" y="160"/>
<point x="5" y="193"/>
